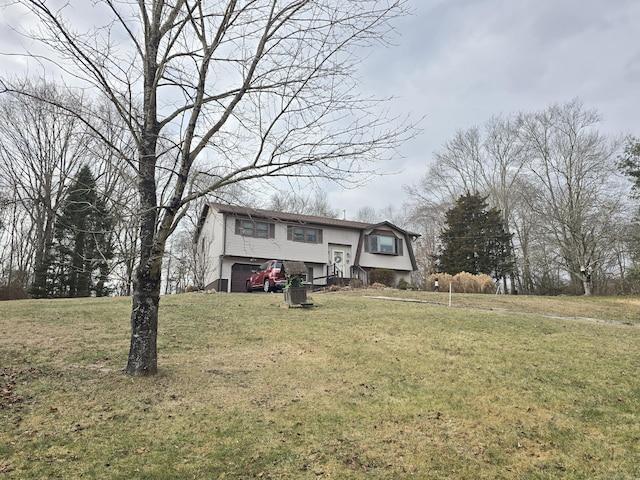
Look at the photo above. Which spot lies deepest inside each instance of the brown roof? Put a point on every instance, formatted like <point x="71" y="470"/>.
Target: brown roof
<point x="288" y="217"/>
<point x="294" y="217"/>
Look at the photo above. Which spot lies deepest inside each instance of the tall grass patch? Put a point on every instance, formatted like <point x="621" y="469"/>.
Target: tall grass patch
<point x="462" y="282"/>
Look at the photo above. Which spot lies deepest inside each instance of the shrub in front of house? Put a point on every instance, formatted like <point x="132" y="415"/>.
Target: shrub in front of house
<point x="462" y="282"/>
<point x="403" y="285"/>
<point x="383" y="275"/>
<point x="465" y="282"/>
<point x="485" y="284"/>
<point x="444" y="279"/>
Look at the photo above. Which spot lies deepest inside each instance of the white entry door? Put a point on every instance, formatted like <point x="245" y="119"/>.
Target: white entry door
<point x="339" y="261"/>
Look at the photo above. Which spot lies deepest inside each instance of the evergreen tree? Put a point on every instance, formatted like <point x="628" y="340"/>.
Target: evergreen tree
<point x="475" y="240"/>
<point x="40" y="287"/>
<point x="82" y="248"/>
<point x="629" y="162"/>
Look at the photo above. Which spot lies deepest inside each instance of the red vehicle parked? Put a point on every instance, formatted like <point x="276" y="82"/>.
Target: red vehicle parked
<point x="268" y="277"/>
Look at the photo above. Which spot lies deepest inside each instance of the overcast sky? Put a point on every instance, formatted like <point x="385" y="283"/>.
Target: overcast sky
<point x="459" y="62"/>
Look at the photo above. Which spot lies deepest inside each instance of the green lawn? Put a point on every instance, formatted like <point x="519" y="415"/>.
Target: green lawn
<point x="355" y="387"/>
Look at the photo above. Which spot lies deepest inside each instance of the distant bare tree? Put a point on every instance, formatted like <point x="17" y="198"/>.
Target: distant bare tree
<point x="456" y="168"/>
<point x="187" y="266"/>
<point x="396" y="215"/>
<point x="429" y="221"/>
<point x="228" y="91"/>
<point x="41" y="147"/>
<point x="116" y="179"/>
<point x="313" y="203"/>
<point x="553" y="177"/>
<point x="576" y="187"/>
<point x="367" y="215"/>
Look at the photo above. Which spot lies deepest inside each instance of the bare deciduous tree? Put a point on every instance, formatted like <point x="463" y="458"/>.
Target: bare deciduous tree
<point x="486" y="160"/>
<point x="111" y="151"/>
<point x="553" y="177"/>
<point x="575" y="184"/>
<point x="312" y="203"/>
<point x="42" y="147"/>
<point x="367" y="214"/>
<point x="228" y="91"/>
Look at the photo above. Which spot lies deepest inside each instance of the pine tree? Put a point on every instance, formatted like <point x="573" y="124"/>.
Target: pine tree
<point x="82" y="247"/>
<point x="474" y="240"/>
<point x="40" y="287"/>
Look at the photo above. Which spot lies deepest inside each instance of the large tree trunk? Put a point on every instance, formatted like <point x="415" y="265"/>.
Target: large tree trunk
<point x="586" y="284"/>
<point x="143" y="356"/>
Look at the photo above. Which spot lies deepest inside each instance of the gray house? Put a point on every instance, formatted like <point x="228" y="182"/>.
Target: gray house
<point x="233" y="240"/>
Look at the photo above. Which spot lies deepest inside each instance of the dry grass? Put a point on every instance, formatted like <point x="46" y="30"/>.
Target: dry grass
<point x="462" y="282"/>
<point x="355" y="387"/>
<point x="612" y="309"/>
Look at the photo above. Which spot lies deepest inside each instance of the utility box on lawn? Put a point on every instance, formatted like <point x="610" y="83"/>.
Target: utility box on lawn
<point x="295" y="293"/>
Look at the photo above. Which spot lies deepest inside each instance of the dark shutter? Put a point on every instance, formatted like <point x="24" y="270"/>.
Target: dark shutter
<point x="289" y="232"/>
<point x="319" y="236"/>
<point x="272" y="230"/>
<point x="238" y="227"/>
<point x="399" y="249"/>
<point x="366" y="243"/>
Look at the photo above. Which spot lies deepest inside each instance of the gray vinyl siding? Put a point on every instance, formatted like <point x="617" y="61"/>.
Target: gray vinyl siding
<point x="394" y="262"/>
<point x="280" y="247"/>
<point x="212" y="233"/>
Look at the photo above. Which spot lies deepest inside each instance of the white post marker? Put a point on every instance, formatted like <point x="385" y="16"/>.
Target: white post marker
<point x="450" y="283"/>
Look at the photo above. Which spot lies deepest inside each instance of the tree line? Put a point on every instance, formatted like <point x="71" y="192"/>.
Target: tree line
<point x="68" y="208"/>
<point x="561" y="188"/>
<point x="540" y="201"/>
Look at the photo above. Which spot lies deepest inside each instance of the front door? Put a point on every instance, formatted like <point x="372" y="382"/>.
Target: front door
<point x="339" y="261"/>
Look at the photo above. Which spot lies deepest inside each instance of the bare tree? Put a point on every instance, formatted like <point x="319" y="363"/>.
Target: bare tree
<point x="554" y="179"/>
<point x="456" y="169"/>
<point x="367" y="214"/>
<point x="577" y="188"/>
<point x="229" y="91"/>
<point x="42" y="146"/>
<point x="429" y="220"/>
<point x="185" y="265"/>
<point x="486" y="161"/>
<point x="116" y="180"/>
<point x="313" y="203"/>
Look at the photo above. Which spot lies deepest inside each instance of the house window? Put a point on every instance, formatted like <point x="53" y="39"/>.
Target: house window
<point x="383" y="244"/>
<point x="251" y="228"/>
<point x="304" y="234"/>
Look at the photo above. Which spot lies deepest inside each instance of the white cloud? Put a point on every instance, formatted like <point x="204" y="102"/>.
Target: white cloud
<point x="460" y="62"/>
